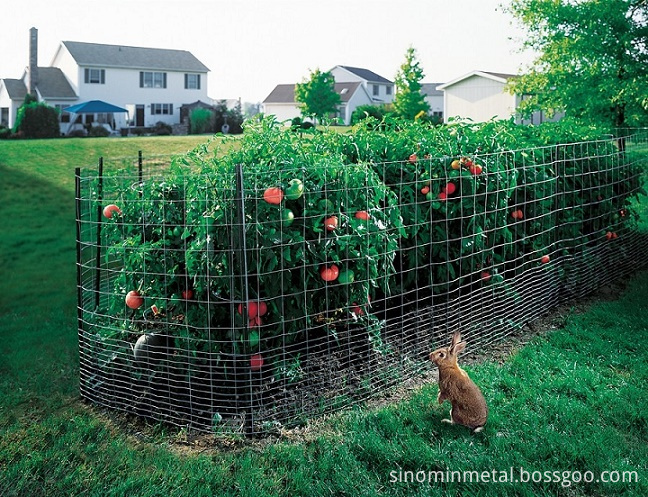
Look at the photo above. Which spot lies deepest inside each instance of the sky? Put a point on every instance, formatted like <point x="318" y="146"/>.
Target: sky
<point x="250" y="46"/>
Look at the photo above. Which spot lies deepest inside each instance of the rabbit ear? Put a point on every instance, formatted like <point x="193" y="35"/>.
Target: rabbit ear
<point x="456" y="338"/>
<point x="458" y="348"/>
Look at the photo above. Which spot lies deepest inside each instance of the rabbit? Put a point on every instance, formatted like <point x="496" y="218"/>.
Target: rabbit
<point x="468" y="404"/>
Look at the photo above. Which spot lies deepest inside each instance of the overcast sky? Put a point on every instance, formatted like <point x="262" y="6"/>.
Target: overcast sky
<point x="252" y="45"/>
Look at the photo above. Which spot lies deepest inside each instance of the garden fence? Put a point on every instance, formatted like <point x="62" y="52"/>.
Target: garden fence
<point x="232" y="303"/>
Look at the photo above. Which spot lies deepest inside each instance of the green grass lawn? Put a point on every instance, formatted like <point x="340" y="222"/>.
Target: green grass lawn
<point x="574" y="399"/>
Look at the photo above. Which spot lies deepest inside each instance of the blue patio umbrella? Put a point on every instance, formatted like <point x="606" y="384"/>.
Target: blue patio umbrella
<point x="93" y="107"/>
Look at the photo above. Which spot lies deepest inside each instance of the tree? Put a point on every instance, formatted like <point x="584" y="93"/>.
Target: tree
<point x="593" y="59"/>
<point x="317" y="95"/>
<point x="409" y="100"/>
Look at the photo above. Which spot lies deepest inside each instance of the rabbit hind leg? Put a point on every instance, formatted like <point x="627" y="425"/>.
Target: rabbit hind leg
<point x="449" y="421"/>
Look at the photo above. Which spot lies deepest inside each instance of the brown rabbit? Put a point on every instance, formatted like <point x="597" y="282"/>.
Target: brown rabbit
<point x="468" y="404"/>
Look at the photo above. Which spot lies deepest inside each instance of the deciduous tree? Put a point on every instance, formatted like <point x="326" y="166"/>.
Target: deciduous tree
<point x="317" y="95"/>
<point x="592" y="62"/>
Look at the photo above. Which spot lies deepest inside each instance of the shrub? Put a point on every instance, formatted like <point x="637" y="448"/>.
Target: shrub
<point x="162" y="129"/>
<point x="37" y="120"/>
<point x="378" y="112"/>
<point x="201" y="121"/>
<point x="98" y="132"/>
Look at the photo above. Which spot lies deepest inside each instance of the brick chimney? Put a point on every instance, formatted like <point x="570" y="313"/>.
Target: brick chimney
<point x="32" y="71"/>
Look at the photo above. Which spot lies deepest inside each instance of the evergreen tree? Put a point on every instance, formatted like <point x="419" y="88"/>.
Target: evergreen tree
<point x="409" y="100"/>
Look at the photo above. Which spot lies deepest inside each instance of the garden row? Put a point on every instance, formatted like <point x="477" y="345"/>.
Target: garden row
<point x="234" y="274"/>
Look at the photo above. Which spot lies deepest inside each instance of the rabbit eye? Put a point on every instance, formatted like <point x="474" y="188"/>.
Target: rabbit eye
<point x="441" y="355"/>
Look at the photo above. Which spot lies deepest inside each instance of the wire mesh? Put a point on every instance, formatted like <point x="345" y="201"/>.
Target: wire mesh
<point x="237" y="301"/>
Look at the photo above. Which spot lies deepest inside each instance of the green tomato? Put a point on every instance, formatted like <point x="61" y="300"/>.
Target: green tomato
<point x="253" y="339"/>
<point x="346" y="277"/>
<point x="326" y="206"/>
<point x="287" y="217"/>
<point x="295" y="189"/>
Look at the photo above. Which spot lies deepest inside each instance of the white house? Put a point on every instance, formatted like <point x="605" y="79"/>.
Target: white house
<point x="152" y="84"/>
<point x="481" y="96"/>
<point x="380" y="90"/>
<point x="434" y="98"/>
<point x="355" y="86"/>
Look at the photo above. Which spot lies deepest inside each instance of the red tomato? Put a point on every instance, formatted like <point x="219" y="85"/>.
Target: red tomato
<point x="363" y="215"/>
<point x="609" y="235"/>
<point x="255" y="308"/>
<point x="256" y="362"/>
<point x="413" y="158"/>
<point x="442" y="196"/>
<point x="273" y="195"/>
<point x="255" y="322"/>
<point x="544" y="259"/>
<point x="331" y="223"/>
<point x="111" y="209"/>
<point x="357" y="310"/>
<point x="485" y="276"/>
<point x="263" y="308"/>
<point x="134" y="300"/>
<point x="425" y="190"/>
<point x="187" y="294"/>
<point x="475" y="169"/>
<point x="330" y="273"/>
<point x="450" y="188"/>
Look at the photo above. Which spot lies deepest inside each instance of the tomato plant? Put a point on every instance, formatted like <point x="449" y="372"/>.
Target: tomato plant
<point x="327" y="228"/>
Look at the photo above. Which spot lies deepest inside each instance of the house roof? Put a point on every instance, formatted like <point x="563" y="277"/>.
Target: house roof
<point x="52" y="84"/>
<point x="97" y="55"/>
<point x="15" y="88"/>
<point x="366" y="74"/>
<point x="430" y="89"/>
<point x="282" y="94"/>
<point x="495" y="76"/>
<point x="285" y="94"/>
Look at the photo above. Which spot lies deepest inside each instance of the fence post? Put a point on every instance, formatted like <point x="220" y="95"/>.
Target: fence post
<point x="79" y="276"/>
<point x="240" y="253"/>
<point x="99" y="221"/>
<point x="140" y="161"/>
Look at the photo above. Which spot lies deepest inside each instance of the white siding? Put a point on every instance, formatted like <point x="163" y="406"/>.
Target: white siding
<point x="66" y="63"/>
<point x="359" y="98"/>
<point x="282" y="112"/>
<point x="7" y="103"/>
<point x="435" y="102"/>
<point x="479" y="99"/>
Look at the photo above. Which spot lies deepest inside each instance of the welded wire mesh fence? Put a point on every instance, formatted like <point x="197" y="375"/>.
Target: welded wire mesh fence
<point x="240" y="301"/>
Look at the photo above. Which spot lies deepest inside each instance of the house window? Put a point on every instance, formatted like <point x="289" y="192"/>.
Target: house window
<point x="94" y="76"/>
<point x="4" y="116"/>
<point x="192" y="81"/>
<point x="153" y="79"/>
<point x="159" y="109"/>
<point x="376" y="90"/>
<point x="388" y="90"/>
